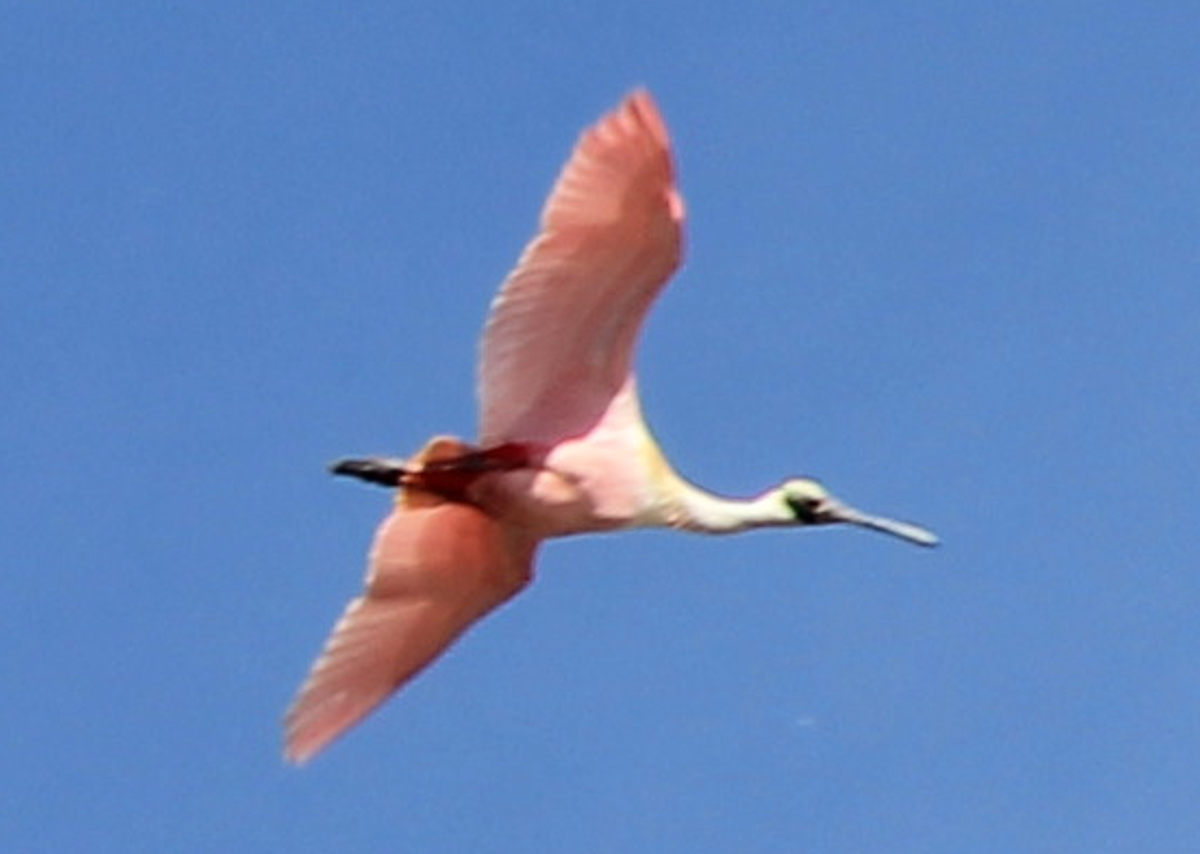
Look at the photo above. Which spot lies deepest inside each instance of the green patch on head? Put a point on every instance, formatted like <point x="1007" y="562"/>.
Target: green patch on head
<point x="805" y="497"/>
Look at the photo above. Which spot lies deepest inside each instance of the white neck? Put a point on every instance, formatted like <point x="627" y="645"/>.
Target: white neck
<point x="680" y="504"/>
<point x="694" y="509"/>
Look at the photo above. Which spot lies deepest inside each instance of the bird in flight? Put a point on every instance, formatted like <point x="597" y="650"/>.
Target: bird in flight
<point x="563" y="448"/>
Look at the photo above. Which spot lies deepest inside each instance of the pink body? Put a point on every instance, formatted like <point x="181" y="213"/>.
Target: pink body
<point x="556" y="379"/>
<point x="563" y="447"/>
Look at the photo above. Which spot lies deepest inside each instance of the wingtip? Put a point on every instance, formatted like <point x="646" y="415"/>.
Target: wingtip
<point x="641" y="98"/>
<point x="299" y="745"/>
<point x="643" y="111"/>
<point x="298" y="753"/>
<point x="638" y="123"/>
<point x="641" y="106"/>
<point x="307" y="733"/>
<point x="296" y="758"/>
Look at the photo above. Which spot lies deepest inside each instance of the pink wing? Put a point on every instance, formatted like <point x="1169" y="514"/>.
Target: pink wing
<point x="559" y="342"/>
<point x="436" y="567"/>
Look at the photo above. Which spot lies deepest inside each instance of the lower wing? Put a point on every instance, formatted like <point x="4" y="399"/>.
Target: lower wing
<point x="435" y="569"/>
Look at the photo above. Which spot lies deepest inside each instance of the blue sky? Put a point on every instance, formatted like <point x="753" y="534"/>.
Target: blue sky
<point x="942" y="255"/>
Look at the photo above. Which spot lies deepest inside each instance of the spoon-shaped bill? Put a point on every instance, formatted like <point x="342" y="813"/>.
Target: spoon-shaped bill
<point x="838" y="512"/>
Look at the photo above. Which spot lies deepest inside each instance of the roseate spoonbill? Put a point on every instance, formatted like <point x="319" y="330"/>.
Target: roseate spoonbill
<point x="563" y="448"/>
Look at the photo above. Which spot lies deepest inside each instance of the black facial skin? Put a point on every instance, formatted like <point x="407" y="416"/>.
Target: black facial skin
<point x="806" y="509"/>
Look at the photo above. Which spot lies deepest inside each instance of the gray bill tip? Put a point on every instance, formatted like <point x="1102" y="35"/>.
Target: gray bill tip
<point x="836" y="511"/>
<point x="904" y="530"/>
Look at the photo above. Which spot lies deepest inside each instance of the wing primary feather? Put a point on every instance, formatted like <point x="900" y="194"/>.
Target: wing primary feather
<point x="436" y="567"/>
<point x="559" y="341"/>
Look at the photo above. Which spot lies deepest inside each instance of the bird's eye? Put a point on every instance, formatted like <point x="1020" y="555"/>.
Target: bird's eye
<point x="806" y="508"/>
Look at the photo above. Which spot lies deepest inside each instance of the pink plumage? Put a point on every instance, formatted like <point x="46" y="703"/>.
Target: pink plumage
<point x="563" y="446"/>
<point x="436" y="567"/>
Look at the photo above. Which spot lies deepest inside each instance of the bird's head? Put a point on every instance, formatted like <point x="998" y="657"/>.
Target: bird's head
<point x="809" y="503"/>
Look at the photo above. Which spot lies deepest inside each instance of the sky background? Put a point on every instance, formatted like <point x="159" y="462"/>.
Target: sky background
<point x="944" y="256"/>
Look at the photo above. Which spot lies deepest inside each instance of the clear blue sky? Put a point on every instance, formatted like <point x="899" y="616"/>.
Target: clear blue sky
<point x="945" y="256"/>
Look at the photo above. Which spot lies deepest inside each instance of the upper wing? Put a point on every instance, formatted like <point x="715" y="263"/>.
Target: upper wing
<point x="559" y="342"/>
<point x="436" y="567"/>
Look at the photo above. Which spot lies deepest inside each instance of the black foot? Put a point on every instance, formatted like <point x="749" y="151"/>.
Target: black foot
<point x="379" y="470"/>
